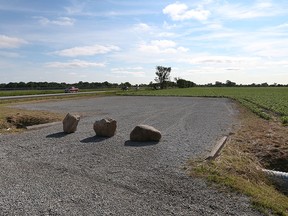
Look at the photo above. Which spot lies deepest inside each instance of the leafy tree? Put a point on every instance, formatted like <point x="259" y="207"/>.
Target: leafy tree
<point x="127" y="84"/>
<point x="218" y="84"/>
<point x="230" y="83"/>
<point x="182" y="83"/>
<point x="264" y="84"/>
<point x="163" y="75"/>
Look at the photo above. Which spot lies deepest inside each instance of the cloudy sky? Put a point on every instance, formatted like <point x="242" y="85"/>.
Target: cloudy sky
<point x="124" y="40"/>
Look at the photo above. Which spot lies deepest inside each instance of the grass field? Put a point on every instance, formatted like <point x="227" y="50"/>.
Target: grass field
<point x="28" y="92"/>
<point x="267" y="102"/>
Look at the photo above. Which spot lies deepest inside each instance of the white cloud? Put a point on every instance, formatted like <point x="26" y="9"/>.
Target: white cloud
<point x="163" y="43"/>
<point x="126" y="68"/>
<point x="209" y="59"/>
<point x="142" y="27"/>
<point x="264" y="4"/>
<point x="166" y="34"/>
<point x="87" y="50"/>
<point x="259" y="9"/>
<point x="161" y="46"/>
<point x="74" y="64"/>
<point x="282" y="26"/>
<point x="179" y="11"/>
<point x="283" y="63"/>
<point x="76" y="7"/>
<point x="133" y="71"/>
<point x="61" y="21"/>
<point x="272" y="47"/>
<point x="11" y="42"/>
<point x="169" y="26"/>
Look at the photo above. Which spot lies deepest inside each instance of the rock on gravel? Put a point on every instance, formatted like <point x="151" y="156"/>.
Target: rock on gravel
<point x="47" y="172"/>
<point x="70" y="123"/>
<point x="105" y="127"/>
<point x="144" y="133"/>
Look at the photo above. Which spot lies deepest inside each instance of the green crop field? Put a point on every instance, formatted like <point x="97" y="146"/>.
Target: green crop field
<point x="264" y="101"/>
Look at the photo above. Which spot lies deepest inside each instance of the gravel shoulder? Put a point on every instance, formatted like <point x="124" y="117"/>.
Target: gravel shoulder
<point x="46" y="172"/>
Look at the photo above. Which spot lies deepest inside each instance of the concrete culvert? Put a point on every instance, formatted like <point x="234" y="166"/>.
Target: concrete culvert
<point x="279" y="178"/>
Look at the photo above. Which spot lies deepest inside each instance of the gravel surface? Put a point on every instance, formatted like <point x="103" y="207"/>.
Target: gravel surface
<point x="46" y="172"/>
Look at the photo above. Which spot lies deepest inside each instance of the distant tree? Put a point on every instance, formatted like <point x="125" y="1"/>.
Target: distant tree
<point x="12" y="85"/>
<point x="264" y="84"/>
<point x="106" y="84"/>
<point x="230" y="83"/>
<point x="163" y="75"/>
<point x="218" y="84"/>
<point x="21" y="85"/>
<point x="182" y="83"/>
<point x="127" y="84"/>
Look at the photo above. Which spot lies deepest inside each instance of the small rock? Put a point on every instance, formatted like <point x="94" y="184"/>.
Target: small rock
<point x="70" y="123"/>
<point x="145" y="133"/>
<point x="105" y="127"/>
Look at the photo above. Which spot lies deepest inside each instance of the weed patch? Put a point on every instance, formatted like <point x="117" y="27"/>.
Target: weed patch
<point x="284" y="120"/>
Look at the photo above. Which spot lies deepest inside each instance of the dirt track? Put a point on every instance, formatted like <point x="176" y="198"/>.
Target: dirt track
<point x="46" y="172"/>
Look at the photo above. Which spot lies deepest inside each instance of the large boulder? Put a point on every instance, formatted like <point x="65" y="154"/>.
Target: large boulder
<point x="105" y="127"/>
<point x="144" y="133"/>
<point x="70" y="123"/>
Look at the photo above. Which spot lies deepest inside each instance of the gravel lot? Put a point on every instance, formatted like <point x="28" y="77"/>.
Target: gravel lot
<point x="46" y="172"/>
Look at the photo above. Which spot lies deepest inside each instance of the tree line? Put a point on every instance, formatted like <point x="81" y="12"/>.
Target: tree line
<point x="62" y="85"/>
<point x="162" y="80"/>
<point x="229" y="83"/>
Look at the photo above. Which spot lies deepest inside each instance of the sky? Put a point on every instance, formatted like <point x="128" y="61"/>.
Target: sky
<point x="203" y="41"/>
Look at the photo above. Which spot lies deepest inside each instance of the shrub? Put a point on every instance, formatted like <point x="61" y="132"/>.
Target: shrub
<point x="284" y="120"/>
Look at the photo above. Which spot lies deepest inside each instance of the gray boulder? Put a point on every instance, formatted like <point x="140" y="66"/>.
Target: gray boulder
<point x="144" y="133"/>
<point x="70" y="123"/>
<point x="105" y="127"/>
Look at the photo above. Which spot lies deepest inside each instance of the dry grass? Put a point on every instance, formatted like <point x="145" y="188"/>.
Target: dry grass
<point x="16" y="120"/>
<point x="256" y="144"/>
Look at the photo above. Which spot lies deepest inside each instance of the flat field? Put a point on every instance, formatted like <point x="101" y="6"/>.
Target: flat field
<point x="39" y="92"/>
<point x="267" y="102"/>
<point x="28" y="92"/>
